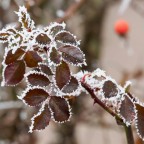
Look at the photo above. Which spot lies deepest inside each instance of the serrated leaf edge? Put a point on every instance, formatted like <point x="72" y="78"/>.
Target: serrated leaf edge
<point x="38" y="114"/>
<point x="35" y="72"/>
<point x="118" y="110"/>
<point x="21" y="97"/>
<point x="136" y="117"/>
<point x="79" y="64"/>
<point x="67" y="43"/>
<point x="3" y="83"/>
<point x="51" y="63"/>
<point x="70" y="111"/>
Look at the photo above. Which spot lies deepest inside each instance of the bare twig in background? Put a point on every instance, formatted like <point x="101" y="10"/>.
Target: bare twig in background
<point x="11" y="105"/>
<point x="137" y="8"/>
<point x="71" y="10"/>
<point x="124" y="5"/>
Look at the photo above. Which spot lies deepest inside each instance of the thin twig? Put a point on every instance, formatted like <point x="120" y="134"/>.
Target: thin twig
<point x="137" y="9"/>
<point x="71" y="10"/>
<point x="11" y="105"/>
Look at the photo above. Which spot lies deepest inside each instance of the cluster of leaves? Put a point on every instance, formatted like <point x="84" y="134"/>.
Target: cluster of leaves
<point x="117" y="98"/>
<point x="42" y="56"/>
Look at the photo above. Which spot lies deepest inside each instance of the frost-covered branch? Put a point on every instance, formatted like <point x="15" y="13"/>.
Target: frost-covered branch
<point x="114" y="98"/>
<point x="129" y="134"/>
<point x="98" y="101"/>
<point x="71" y="10"/>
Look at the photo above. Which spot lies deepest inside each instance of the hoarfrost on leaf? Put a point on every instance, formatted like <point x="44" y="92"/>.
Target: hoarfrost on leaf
<point x="34" y="96"/>
<point x="139" y="119"/>
<point x="45" y="54"/>
<point x="14" y="73"/>
<point x="41" y="119"/>
<point x="24" y="19"/>
<point x="60" y="109"/>
<point x="127" y="110"/>
<point x="36" y="78"/>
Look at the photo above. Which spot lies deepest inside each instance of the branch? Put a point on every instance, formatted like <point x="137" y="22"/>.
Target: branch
<point x="128" y="130"/>
<point x="137" y="8"/>
<point x="96" y="100"/>
<point x="129" y="135"/>
<point x="71" y="10"/>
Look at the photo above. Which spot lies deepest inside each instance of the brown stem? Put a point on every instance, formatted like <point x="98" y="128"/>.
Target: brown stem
<point x="128" y="130"/>
<point x="96" y="100"/>
<point x="129" y="135"/>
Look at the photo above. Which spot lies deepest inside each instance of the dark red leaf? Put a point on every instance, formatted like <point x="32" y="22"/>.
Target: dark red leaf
<point x="55" y="57"/>
<point x="56" y="29"/>
<point x="11" y="31"/>
<point x="45" y="69"/>
<point x="37" y="49"/>
<point x="26" y="22"/>
<point x="4" y="36"/>
<point x="20" y="38"/>
<point x="43" y="39"/>
<point x="71" y="86"/>
<point x="35" y="97"/>
<point x="62" y="75"/>
<point x="65" y="37"/>
<point x="14" y="73"/>
<point x="59" y="108"/>
<point x="72" y="54"/>
<point x="10" y="58"/>
<point x="110" y="89"/>
<point x="32" y="59"/>
<point x="140" y="120"/>
<point x="127" y="110"/>
<point x="38" y="79"/>
<point x="42" y="120"/>
<point x="3" y="39"/>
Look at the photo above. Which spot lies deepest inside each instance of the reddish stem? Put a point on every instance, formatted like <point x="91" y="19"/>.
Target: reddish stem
<point x="96" y="100"/>
<point x="128" y="130"/>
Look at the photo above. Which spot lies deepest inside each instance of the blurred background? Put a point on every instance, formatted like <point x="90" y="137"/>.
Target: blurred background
<point x="92" y="21"/>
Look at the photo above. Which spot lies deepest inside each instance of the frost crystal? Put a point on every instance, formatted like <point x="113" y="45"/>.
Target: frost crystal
<point x="24" y="18"/>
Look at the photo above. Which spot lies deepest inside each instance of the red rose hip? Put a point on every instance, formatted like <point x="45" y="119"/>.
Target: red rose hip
<point x="121" y="27"/>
